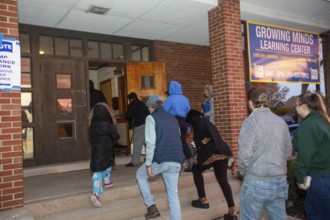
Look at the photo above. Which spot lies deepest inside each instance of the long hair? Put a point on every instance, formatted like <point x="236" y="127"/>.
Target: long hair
<point x="314" y="101"/>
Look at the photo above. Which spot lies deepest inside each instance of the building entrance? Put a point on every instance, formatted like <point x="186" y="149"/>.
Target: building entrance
<point x="61" y="112"/>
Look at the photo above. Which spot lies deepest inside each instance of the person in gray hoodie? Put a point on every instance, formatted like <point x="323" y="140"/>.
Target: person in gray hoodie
<point x="264" y="147"/>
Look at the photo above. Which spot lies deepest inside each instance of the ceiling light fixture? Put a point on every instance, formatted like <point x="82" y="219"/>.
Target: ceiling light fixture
<point x="98" y="10"/>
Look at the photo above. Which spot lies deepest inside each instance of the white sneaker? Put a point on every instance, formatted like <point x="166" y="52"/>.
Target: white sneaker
<point x="95" y="199"/>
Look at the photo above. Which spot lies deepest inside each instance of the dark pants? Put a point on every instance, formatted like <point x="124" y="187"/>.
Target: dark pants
<point x="183" y="131"/>
<point x="317" y="202"/>
<point x="220" y="171"/>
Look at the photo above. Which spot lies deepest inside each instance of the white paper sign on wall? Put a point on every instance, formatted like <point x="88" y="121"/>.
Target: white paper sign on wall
<point x="10" y="64"/>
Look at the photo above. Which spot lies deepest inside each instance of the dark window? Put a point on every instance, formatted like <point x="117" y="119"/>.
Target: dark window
<point x="61" y="46"/>
<point x="46" y="45"/>
<point x="25" y="43"/>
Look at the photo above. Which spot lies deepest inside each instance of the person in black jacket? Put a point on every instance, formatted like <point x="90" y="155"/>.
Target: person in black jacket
<point x="95" y="95"/>
<point x="212" y="151"/>
<point x="101" y="136"/>
<point x="136" y="114"/>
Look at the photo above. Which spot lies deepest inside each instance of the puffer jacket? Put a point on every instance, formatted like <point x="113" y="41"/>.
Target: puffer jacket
<point x="102" y="134"/>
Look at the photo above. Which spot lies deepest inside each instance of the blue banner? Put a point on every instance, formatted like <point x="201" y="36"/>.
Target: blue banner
<point x="278" y="54"/>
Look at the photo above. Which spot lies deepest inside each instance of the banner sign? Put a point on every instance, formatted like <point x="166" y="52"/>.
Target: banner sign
<point x="10" y="64"/>
<point x="280" y="55"/>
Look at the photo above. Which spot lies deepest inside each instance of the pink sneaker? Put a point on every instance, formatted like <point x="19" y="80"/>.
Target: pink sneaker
<point x="107" y="185"/>
<point x="95" y="199"/>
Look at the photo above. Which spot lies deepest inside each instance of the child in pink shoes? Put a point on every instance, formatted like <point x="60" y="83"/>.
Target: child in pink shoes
<point x="102" y="134"/>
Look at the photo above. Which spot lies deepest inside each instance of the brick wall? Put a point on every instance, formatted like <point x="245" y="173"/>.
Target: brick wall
<point x="11" y="161"/>
<point x="228" y="70"/>
<point x="188" y="64"/>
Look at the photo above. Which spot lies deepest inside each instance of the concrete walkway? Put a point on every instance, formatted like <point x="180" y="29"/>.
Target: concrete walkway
<point x="39" y="188"/>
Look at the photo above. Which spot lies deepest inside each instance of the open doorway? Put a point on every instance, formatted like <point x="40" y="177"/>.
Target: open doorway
<point x="110" y="79"/>
<point x="116" y="80"/>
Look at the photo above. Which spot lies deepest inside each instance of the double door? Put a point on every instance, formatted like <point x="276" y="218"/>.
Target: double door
<point x="61" y="108"/>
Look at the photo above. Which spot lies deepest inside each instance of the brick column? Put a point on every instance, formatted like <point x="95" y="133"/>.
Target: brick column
<point x="11" y="161"/>
<point x="228" y="76"/>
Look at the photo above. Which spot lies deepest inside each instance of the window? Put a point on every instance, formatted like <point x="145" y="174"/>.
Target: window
<point x="105" y="50"/>
<point x="76" y="49"/>
<point x="25" y="72"/>
<point x="65" y="130"/>
<point x="25" y="43"/>
<point x="147" y="82"/>
<point x="118" y="51"/>
<point x="63" y="81"/>
<point x="27" y="128"/>
<point x="140" y="53"/>
<point x="46" y="45"/>
<point x="64" y="106"/>
<point x="61" y="46"/>
<point x="93" y="49"/>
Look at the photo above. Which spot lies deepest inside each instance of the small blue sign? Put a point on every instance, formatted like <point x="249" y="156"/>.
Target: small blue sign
<point x="6" y="46"/>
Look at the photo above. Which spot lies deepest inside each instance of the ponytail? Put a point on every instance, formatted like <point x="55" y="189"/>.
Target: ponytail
<point x="322" y="108"/>
<point x="315" y="102"/>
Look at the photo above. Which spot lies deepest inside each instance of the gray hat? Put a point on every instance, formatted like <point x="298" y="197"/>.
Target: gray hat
<point x="152" y="100"/>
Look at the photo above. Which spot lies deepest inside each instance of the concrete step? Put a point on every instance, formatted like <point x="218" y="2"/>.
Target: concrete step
<point x="124" y="200"/>
<point x="133" y="208"/>
<point x="217" y="208"/>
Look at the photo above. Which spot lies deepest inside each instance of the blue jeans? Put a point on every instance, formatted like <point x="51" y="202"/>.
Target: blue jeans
<point x="268" y="194"/>
<point x="170" y="175"/>
<point x="97" y="183"/>
<point x="317" y="201"/>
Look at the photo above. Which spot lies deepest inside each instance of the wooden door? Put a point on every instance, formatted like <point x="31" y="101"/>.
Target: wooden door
<point x="147" y="79"/>
<point x="106" y="89"/>
<point x="61" y="130"/>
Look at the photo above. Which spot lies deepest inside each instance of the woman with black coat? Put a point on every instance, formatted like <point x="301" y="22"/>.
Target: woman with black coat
<point x="102" y="134"/>
<point x="212" y="151"/>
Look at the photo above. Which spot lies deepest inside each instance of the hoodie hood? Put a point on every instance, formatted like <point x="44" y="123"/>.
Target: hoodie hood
<point x="175" y="88"/>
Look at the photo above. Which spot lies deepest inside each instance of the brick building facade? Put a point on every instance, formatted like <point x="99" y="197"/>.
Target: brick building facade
<point x="194" y="66"/>
<point x="11" y="160"/>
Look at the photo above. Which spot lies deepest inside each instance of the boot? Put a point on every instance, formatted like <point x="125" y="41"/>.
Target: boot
<point x="152" y="212"/>
<point x="230" y="217"/>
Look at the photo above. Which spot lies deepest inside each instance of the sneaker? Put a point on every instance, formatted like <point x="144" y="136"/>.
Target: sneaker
<point x="107" y="185"/>
<point x="152" y="212"/>
<point x="197" y="204"/>
<point x="95" y="199"/>
<point x="131" y="165"/>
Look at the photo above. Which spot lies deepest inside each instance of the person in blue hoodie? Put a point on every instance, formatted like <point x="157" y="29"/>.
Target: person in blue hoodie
<point x="178" y="105"/>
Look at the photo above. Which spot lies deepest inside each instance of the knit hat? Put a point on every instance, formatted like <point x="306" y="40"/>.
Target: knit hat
<point x="132" y="95"/>
<point x="152" y="100"/>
